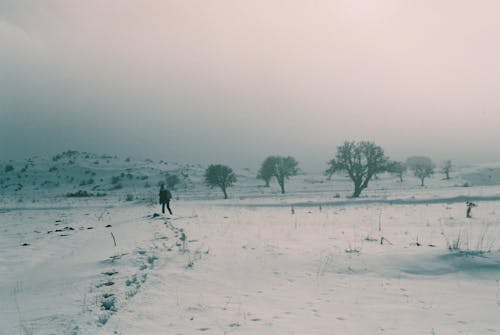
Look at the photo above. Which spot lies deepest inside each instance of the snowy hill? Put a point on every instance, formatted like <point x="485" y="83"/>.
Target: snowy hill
<point x="82" y="174"/>
<point x="73" y="170"/>
<point x="483" y="175"/>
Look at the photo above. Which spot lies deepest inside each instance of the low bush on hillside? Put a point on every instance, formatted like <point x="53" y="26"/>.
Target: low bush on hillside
<point x="118" y="186"/>
<point x="84" y="194"/>
<point x="87" y="182"/>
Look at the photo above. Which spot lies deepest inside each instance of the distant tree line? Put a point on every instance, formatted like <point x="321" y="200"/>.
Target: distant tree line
<point x="360" y="161"/>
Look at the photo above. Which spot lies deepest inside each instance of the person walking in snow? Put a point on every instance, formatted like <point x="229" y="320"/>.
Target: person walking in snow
<point x="469" y="205"/>
<point x="165" y="197"/>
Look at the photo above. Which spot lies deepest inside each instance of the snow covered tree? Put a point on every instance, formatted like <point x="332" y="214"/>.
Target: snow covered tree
<point x="421" y="166"/>
<point x="220" y="176"/>
<point x="361" y="160"/>
<point x="397" y="168"/>
<point x="446" y="169"/>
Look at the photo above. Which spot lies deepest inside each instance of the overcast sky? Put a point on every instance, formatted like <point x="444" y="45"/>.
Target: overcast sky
<point x="234" y="81"/>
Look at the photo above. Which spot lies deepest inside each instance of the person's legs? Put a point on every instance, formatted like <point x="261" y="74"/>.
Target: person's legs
<point x="163" y="208"/>
<point x="168" y="207"/>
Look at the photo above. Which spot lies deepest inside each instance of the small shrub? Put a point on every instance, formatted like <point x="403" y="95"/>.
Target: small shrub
<point x="129" y="197"/>
<point x="117" y="186"/>
<point x="83" y="194"/>
<point x="9" y="168"/>
<point x="79" y="194"/>
<point x="89" y="181"/>
<point x="172" y="181"/>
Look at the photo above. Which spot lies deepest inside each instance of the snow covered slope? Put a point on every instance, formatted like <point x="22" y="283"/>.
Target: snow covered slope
<point x="400" y="260"/>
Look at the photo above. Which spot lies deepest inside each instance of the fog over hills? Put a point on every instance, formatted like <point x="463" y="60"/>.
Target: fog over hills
<point x="234" y="82"/>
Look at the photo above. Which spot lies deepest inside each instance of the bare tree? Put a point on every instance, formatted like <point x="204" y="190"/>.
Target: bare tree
<point x="446" y="169"/>
<point x="220" y="176"/>
<point x="421" y="166"/>
<point x="332" y="168"/>
<point x="361" y="161"/>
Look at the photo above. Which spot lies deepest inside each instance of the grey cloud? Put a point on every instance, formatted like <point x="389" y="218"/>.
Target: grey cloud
<point x="234" y="81"/>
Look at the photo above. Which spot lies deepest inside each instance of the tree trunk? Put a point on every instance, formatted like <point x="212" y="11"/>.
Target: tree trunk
<point x="365" y="183"/>
<point x="225" y="193"/>
<point x="267" y="182"/>
<point x="281" y="182"/>
<point x="357" y="190"/>
<point x="422" y="181"/>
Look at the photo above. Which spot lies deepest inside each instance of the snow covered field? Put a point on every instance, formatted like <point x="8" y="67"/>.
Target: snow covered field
<point x="399" y="260"/>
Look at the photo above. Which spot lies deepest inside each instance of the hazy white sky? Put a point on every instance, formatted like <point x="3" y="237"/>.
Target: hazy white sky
<point x="234" y="81"/>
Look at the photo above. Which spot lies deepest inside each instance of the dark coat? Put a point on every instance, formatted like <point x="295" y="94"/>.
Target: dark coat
<point x="165" y="196"/>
